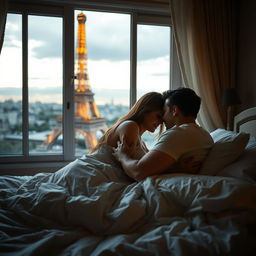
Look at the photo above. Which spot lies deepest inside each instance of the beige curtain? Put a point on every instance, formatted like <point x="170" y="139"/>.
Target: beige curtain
<point x="3" y="14"/>
<point x="204" y="35"/>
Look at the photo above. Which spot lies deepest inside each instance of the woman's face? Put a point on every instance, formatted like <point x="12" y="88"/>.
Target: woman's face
<point x="152" y="120"/>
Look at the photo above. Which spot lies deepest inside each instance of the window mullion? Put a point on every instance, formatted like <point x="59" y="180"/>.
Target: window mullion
<point x="171" y="68"/>
<point x="25" y="113"/>
<point x="68" y="75"/>
<point x="133" y="62"/>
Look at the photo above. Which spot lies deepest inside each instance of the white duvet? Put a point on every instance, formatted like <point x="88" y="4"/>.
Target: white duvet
<point x="90" y="207"/>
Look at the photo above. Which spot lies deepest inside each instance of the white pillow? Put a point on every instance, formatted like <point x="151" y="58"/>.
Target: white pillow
<point x="245" y="166"/>
<point x="227" y="147"/>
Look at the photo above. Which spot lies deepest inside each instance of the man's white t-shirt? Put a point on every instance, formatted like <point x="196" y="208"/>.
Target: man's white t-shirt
<point x="184" y="141"/>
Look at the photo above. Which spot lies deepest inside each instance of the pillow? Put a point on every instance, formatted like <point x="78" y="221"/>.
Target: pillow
<point x="245" y="166"/>
<point x="228" y="146"/>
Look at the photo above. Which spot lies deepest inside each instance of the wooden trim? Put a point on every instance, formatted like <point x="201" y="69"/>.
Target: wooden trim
<point x="244" y="117"/>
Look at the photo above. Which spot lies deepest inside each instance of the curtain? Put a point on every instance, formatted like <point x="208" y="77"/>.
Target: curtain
<point x="3" y="15"/>
<point x="204" y="32"/>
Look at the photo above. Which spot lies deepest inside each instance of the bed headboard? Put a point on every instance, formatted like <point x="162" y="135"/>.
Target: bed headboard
<point x="246" y="121"/>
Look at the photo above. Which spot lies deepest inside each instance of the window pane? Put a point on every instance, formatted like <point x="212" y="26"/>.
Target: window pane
<point x="153" y="59"/>
<point x="11" y="87"/>
<point x="45" y="84"/>
<point x="153" y="64"/>
<point x="102" y="67"/>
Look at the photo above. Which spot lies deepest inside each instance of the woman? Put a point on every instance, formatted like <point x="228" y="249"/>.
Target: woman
<point x="145" y="115"/>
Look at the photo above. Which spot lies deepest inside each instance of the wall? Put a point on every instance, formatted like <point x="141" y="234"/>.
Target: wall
<point x="246" y="54"/>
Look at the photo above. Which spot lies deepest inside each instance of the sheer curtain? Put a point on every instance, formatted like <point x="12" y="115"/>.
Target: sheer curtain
<point x="3" y="15"/>
<point x="205" y="39"/>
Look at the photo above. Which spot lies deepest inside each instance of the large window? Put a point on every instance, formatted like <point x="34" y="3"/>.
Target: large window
<point x="44" y="77"/>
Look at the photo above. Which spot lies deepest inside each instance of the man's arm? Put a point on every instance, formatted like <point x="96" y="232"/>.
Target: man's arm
<point x="152" y="163"/>
<point x="189" y="166"/>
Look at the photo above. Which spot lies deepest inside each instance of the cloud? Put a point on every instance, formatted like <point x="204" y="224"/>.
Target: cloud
<point x="166" y="74"/>
<point x="48" y="32"/>
<point x="13" y="31"/>
<point x="153" y="42"/>
<point x="108" y="36"/>
<point x="14" y="91"/>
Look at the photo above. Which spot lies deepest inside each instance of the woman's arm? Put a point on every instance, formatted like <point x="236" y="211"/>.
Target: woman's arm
<point x="129" y="133"/>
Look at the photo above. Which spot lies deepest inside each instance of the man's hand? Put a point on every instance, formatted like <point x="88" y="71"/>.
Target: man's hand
<point x="152" y="163"/>
<point x="122" y="154"/>
<point x="189" y="165"/>
<point x="121" y="149"/>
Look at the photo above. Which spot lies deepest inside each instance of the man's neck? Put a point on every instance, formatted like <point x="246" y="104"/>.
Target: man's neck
<point x="185" y="120"/>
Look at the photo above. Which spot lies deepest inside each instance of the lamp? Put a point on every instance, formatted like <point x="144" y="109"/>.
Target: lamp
<point x="229" y="99"/>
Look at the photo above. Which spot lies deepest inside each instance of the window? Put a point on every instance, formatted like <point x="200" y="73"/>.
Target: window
<point x="45" y="84"/>
<point x="153" y="58"/>
<point x="31" y="83"/>
<point x="153" y="64"/>
<point x="102" y="66"/>
<point x="11" y="88"/>
<point x="128" y="55"/>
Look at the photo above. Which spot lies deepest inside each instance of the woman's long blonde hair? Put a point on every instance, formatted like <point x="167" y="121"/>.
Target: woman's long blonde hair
<point x="152" y="101"/>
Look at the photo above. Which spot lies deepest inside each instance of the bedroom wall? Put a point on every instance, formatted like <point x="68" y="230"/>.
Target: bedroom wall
<point x="246" y="54"/>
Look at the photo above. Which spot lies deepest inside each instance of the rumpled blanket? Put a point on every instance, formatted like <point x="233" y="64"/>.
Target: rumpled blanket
<point x="90" y="207"/>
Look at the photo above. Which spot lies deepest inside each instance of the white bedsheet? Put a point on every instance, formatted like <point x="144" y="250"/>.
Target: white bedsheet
<point x="90" y="207"/>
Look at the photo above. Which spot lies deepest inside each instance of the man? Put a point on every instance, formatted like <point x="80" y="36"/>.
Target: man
<point x="183" y="139"/>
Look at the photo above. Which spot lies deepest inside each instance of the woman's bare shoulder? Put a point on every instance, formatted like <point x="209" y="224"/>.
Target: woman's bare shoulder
<point x="129" y="124"/>
<point x="129" y="130"/>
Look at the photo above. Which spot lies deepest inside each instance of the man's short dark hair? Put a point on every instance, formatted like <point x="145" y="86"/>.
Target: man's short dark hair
<point x="185" y="99"/>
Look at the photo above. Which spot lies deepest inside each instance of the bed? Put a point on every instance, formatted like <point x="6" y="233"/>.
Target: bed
<point x="90" y="207"/>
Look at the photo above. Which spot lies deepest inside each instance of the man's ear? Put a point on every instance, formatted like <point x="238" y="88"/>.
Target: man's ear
<point x="175" y="110"/>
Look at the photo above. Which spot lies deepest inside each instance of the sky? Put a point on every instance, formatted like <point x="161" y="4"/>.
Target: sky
<point x="108" y="43"/>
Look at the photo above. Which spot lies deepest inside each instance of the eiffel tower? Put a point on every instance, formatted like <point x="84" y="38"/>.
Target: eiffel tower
<point x="87" y="117"/>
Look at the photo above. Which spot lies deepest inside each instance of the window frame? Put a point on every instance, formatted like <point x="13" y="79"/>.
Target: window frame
<point x="66" y="11"/>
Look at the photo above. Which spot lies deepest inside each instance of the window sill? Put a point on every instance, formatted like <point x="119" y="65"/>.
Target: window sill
<point x="27" y="169"/>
